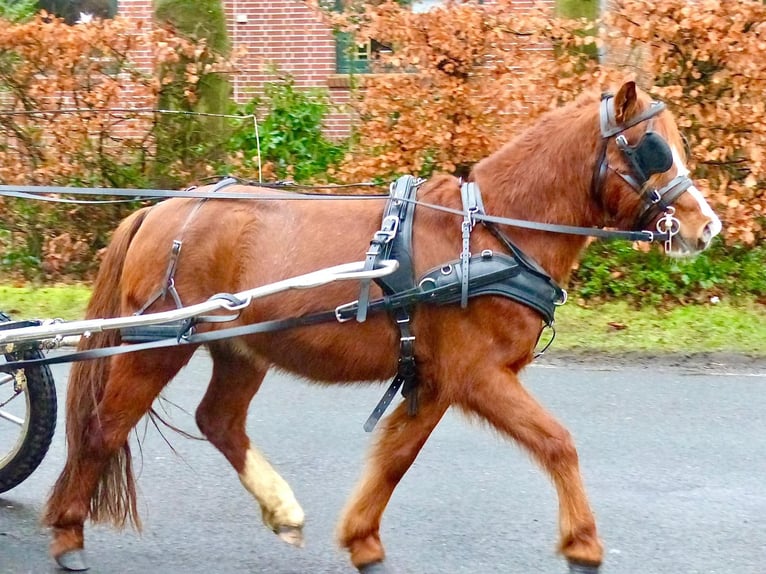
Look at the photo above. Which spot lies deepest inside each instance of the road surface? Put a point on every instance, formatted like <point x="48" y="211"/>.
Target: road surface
<point x="674" y="459"/>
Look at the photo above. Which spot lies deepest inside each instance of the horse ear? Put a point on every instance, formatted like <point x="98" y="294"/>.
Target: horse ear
<point x="625" y="102"/>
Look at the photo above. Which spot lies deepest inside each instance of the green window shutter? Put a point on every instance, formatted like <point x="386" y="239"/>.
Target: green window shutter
<point x="349" y="58"/>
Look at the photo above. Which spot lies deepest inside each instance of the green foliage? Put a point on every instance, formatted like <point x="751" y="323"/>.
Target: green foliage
<point x="197" y="20"/>
<point x="291" y="137"/>
<point x="186" y="140"/>
<point x="617" y="271"/>
<point x="17" y="10"/>
<point x="578" y="8"/>
<point x="581" y="10"/>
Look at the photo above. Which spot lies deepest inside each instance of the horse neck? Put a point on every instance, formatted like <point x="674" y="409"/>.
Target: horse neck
<point x="545" y="175"/>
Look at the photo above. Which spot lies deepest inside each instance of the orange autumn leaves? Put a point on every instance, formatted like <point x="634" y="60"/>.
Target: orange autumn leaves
<point x="463" y="77"/>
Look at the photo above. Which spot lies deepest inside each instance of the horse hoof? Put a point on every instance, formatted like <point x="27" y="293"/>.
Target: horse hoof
<point x="293" y="535"/>
<point x="74" y="561"/>
<point x="579" y="568"/>
<point x="374" y="568"/>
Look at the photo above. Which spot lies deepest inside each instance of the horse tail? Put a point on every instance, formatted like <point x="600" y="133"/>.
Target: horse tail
<point x="114" y="499"/>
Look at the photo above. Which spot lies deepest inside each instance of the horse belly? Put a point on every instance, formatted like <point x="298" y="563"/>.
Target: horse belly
<point x="327" y="354"/>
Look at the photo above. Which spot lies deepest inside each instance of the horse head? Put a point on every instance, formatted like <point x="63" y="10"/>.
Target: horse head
<point x="641" y="177"/>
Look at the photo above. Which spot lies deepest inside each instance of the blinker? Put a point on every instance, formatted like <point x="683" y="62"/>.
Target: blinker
<point x="649" y="156"/>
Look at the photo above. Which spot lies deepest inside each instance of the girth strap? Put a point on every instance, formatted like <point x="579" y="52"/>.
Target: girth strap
<point x="406" y="374"/>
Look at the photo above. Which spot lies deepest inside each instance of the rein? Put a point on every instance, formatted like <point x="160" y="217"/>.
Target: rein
<point x="38" y="193"/>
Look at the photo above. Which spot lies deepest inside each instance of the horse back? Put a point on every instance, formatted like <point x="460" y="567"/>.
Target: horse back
<point x="234" y="245"/>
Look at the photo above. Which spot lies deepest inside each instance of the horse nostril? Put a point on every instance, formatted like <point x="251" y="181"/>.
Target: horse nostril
<point x="705" y="237"/>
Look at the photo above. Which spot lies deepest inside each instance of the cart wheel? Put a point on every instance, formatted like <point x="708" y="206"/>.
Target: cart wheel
<point x="27" y="417"/>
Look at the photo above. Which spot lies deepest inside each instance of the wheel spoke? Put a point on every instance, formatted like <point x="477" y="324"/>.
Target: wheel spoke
<point x="6" y="378"/>
<point x="9" y="417"/>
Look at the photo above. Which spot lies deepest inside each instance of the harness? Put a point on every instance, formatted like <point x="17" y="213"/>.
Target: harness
<point x="513" y="275"/>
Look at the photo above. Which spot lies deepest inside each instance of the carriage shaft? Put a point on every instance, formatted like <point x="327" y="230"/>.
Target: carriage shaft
<point x="226" y="302"/>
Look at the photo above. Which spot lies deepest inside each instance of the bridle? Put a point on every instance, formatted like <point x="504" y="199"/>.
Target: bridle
<point x="650" y="156"/>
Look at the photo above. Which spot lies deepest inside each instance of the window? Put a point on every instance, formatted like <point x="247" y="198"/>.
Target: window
<point x="351" y="58"/>
<point x="73" y="11"/>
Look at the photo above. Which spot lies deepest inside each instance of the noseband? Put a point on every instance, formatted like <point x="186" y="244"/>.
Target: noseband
<point x="648" y="157"/>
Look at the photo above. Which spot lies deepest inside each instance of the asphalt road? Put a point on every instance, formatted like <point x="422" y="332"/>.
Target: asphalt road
<point x="674" y="460"/>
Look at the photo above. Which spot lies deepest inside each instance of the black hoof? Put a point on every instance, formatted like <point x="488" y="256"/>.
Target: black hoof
<point x="575" y="568"/>
<point x="374" y="568"/>
<point x="73" y="561"/>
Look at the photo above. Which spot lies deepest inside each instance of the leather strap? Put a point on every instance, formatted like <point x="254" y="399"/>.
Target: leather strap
<point x="179" y="339"/>
<point x="38" y="192"/>
<point x="387" y="243"/>
<point x="609" y="125"/>
<point x="400" y="212"/>
<point x="472" y="205"/>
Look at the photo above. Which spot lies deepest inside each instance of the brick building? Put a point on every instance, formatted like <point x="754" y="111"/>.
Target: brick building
<point x="289" y="36"/>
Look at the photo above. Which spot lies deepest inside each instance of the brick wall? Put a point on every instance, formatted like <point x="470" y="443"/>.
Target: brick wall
<point x="282" y="34"/>
<point x="285" y="35"/>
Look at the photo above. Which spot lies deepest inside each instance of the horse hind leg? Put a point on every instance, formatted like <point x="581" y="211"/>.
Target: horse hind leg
<point x="500" y="399"/>
<point x="399" y="442"/>
<point x="222" y="415"/>
<point x="97" y="480"/>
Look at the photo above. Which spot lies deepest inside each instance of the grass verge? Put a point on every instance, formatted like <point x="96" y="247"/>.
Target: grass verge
<point x="607" y="328"/>
<point x="59" y="301"/>
<point x="617" y="327"/>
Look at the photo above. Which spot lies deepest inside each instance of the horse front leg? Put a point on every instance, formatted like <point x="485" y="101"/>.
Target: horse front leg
<point x="499" y="398"/>
<point x="399" y="442"/>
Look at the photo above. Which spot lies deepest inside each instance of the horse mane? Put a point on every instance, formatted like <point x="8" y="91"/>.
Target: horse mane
<point x="545" y="174"/>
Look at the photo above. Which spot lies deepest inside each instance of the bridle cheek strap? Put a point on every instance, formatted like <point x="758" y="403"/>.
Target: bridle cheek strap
<point x="657" y="201"/>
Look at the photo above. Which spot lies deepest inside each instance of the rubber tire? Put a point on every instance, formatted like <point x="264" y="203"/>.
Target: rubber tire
<point x="42" y="420"/>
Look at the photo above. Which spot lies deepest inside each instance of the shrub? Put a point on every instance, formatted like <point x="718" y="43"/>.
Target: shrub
<point x="42" y="143"/>
<point x="292" y="144"/>
<point x="469" y="75"/>
<point x="461" y="79"/>
<point x="615" y="270"/>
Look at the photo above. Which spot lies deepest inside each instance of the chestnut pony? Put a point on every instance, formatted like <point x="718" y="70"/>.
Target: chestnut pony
<point x="565" y="169"/>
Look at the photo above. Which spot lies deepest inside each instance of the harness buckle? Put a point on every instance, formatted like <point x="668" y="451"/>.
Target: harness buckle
<point x="388" y="229"/>
<point x="344" y="313"/>
<point x="654" y="196"/>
